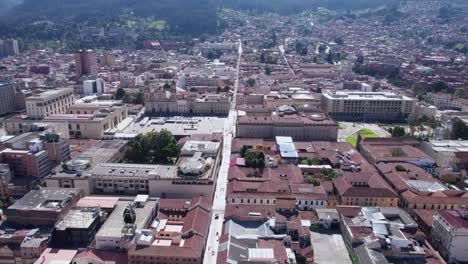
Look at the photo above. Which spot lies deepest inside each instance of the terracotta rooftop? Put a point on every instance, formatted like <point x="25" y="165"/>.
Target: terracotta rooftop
<point x="440" y="197"/>
<point x="455" y="218"/>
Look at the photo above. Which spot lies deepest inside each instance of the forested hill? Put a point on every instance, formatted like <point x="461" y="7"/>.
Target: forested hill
<point x="35" y="22"/>
<point x="183" y="16"/>
<point x="287" y="7"/>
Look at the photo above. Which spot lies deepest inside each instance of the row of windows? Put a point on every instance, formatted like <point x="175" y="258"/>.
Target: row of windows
<point x="143" y="258"/>
<point x="311" y="202"/>
<point x="261" y="201"/>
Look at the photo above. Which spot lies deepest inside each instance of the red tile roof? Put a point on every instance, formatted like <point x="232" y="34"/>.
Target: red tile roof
<point x="101" y="256"/>
<point x="455" y="218"/>
<point x="441" y="197"/>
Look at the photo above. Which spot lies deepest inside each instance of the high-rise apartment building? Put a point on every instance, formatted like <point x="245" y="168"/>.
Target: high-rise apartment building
<point x="8" y="47"/>
<point x="7" y="96"/>
<point x="85" y="63"/>
<point x="96" y="86"/>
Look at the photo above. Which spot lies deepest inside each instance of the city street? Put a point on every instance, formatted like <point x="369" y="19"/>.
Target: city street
<point x="219" y="200"/>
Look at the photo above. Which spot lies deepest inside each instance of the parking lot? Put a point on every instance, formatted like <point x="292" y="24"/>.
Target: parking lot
<point x="180" y="126"/>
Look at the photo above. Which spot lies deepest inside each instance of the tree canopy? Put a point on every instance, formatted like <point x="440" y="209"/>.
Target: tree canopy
<point x="254" y="159"/>
<point x="153" y="148"/>
<point x="119" y="94"/>
<point x="398" y="131"/>
<point x="459" y="129"/>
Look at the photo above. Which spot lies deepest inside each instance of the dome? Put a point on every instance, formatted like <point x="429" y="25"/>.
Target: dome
<point x="318" y="117"/>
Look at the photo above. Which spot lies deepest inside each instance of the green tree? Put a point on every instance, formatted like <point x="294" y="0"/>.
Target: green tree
<point x="243" y="150"/>
<point x="400" y="167"/>
<point x="301" y="48"/>
<point x="413" y="123"/>
<point x="255" y="159"/>
<point x="460" y="93"/>
<point x="152" y="148"/>
<point x="274" y="39"/>
<point x="139" y="98"/>
<point x="440" y="86"/>
<point x="268" y="70"/>
<point x="322" y="48"/>
<point x="313" y="161"/>
<point x="339" y="41"/>
<point x="251" y="82"/>
<point x="459" y="129"/>
<point x="330" y="58"/>
<point x="312" y="180"/>
<point x="360" y="59"/>
<point x="119" y="94"/>
<point x="398" y="131"/>
<point x="211" y="55"/>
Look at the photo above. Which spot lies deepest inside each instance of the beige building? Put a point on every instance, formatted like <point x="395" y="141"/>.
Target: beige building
<point x="297" y="126"/>
<point x="50" y="102"/>
<point x="91" y="120"/>
<point x="130" y="179"/>
<point x="196" y="168"/>
<point x="7" y="98"/>
<point x="367" y="106"/>
<point x="165" y="102"/>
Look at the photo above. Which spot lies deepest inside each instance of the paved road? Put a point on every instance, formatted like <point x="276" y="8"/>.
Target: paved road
<point x="281" y="49"/>
<point x="219" y="201"/>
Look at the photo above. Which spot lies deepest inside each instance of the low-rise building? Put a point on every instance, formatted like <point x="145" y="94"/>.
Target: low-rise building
<point x="77" y="228"/>
<point x="50" y="102"/>
<point x="88" y="120"/>
<point x="177" y="235"/>
<point x="282" y="186"/>
<point x="160" y="101"/>
<point x="367" y="106"/>
<point x="27" y="163"/>
<point x="450" y="234"/>
<point x="43" y="207"/>
<point x="128" y="216"/>
<point x="197" y="167"/>
<point x="413" y="199"/>
<point x="286" y="122"/>
<point x="381" y="235"/>
<point x="425" y="109"/>
<point x="447" y="101"/>
<point x="451" y="153"/>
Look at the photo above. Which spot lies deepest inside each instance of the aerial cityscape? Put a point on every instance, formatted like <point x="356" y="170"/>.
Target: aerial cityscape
<point x="233" y="131"/>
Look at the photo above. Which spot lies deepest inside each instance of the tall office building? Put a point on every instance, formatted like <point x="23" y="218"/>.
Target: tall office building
<point x="8" y="47"/>
<point x="94" y="87"/>
<point x="7" y="98"/>
<point x="85" y="62"/>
